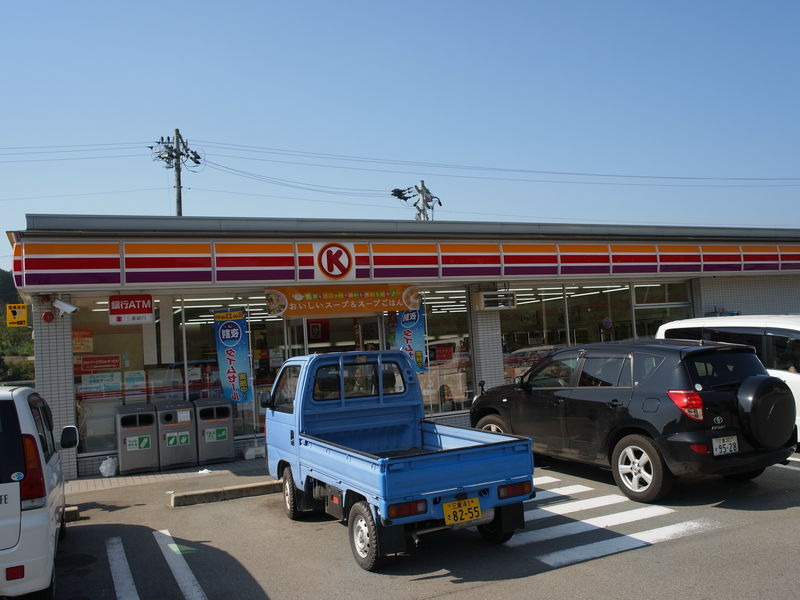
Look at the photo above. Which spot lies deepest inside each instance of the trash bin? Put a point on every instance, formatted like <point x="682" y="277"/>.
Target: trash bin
<point x="176" y="434"/>
<point x="137" y="449"/>
<point x="214" y="419"/>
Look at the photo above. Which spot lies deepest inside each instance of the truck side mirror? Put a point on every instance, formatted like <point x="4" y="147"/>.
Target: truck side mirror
<point x="266" y="400"/>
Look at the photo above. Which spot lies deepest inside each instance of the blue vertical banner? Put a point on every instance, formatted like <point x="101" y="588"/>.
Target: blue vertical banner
<point x="233" y="354"/>
<point x="410" y="336"/>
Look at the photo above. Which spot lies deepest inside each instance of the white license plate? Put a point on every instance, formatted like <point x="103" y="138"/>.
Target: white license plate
<point x="725" y="445"/>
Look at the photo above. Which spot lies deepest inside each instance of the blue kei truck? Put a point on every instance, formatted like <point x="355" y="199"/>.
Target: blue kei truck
<point x="347" y="433"/>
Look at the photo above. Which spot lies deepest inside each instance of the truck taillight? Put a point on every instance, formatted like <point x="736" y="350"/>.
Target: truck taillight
<point x="407" y="509"/>
<point x="514" y="489"/>
<point x="32" y="485"/>
<point x="690" y="403"/>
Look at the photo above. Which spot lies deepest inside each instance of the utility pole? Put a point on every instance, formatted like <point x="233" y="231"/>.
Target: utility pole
<point x="175" y="153"/>
<point x="425" y="200"/>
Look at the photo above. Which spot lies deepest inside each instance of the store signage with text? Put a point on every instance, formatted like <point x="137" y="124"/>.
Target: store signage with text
<point x="130" y="309"/>
<point x="298" y="301"/>
<point x="110" y="362"/>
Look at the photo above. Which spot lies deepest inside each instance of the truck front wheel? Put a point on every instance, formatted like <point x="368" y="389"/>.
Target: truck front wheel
<point x="290" y="495"/>
<point x="364" y="536"/>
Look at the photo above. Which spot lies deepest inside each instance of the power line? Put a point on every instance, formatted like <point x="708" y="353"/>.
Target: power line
<point x="344" y="157"/>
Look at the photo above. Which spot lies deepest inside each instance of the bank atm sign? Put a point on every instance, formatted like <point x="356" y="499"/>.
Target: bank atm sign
<point x="130" y="310"/>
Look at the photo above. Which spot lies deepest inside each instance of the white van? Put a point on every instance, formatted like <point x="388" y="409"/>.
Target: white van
<point x="776" y="339"/>
<point x="31" y="493"/>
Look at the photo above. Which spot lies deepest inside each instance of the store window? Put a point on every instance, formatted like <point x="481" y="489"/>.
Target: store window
<point x="657" y="303"/>
<point x="172" y="358"/>
<point x="599" y="313"/>
<point x="447" y="384"/>
<point x="534" y="328"/>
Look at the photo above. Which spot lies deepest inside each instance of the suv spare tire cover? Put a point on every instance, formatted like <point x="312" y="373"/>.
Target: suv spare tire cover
<point x="767" y="410"/>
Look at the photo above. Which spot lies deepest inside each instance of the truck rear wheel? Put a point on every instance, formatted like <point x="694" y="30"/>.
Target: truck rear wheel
<point x="364" y="540"/>
<point x="290" y="503"/>
<point x="493" y="533"/>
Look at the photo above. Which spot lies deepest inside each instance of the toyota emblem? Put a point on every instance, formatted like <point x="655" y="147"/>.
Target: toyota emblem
<point x="718" y="420"/>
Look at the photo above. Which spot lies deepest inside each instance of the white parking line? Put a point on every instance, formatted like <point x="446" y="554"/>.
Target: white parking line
<point x="180" y="570"/>
<point x="557" y="531"/>
<point x="623" y="543"/>
<point x="124" y="587"/>
<point x="574" y="506"/>
<point x="567" y="490"/>
<point x="792" y="458"/>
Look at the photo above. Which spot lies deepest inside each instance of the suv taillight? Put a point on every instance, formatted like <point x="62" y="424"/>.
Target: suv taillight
<point x="32" y="485"/>
<point x="689" y="401"/>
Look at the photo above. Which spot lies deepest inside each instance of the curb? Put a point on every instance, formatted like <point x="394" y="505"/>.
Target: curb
<point x="225" y="493"/>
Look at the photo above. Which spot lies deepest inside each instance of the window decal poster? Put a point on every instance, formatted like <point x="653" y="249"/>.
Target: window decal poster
<point x="233" y="354"/>
<point x="409" y="336"/>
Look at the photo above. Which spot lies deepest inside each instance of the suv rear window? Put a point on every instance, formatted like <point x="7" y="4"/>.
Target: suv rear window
<point x="10" y="442"/>
<point x="722" y="368"/>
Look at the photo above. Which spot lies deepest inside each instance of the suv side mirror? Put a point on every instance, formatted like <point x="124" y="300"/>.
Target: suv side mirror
<point x="69" y="437"/>
<point x="482" y="385"/>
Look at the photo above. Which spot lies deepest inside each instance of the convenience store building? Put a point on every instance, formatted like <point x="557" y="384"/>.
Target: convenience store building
<point x="494" y="296"/>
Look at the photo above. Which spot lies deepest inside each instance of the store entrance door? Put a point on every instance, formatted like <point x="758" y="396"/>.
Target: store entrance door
<point x="309" y="335"/>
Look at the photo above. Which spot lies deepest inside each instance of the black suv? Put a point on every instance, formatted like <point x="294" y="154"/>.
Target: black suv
<point x="651" y="410"/>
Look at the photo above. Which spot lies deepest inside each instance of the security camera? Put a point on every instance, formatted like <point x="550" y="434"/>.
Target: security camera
<point x="65" y="307"/>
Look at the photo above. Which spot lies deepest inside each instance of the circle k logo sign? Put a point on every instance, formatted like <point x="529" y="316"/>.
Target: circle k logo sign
<point x="335" y="260"/>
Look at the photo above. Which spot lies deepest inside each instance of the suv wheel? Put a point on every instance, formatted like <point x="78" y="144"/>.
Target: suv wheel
<point x="639" y="470"/>
<point x="767" y="410"/>
<point x="493" y="423"/>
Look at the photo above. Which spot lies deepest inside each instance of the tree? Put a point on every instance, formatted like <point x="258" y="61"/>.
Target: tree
<point x="14" y="341"/>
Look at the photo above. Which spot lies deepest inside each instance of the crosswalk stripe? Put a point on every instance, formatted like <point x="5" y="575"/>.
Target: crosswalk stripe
<point x="791" y="468"/>
<point x="124" y="587"/>
<point x="180" y="570"/>
<point x="564" y="508"/>
<point x="544" y="480"/>
<point x="567" y="490"/>
<point x="615" y="545"/>
<point x="604" y="522"/>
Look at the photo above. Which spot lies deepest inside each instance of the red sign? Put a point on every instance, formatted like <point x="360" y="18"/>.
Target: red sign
<point x="130" y="309"/>
<point x="334" y="260"/>
<point x="110" y="362"/>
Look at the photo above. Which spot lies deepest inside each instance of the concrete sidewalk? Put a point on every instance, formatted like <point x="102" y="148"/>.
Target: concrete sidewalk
<point x="190" y="485"/>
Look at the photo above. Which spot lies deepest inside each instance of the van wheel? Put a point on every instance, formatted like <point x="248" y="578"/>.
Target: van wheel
<point x="290" y="503"/>
<point x="494" y="424"/>
<point x="639" y="470"/>
<point x="364" y="540"/>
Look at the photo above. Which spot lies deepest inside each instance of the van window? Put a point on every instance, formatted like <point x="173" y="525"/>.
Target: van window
<point x="11" y="460"/>
<point x="44" y="424"/>
<point x="783" y="353"/>
<point x="748" y="338"/>
<point x="684" y="333"/>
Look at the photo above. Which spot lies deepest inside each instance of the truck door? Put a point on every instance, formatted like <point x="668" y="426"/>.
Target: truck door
<point x="282" y="421"/>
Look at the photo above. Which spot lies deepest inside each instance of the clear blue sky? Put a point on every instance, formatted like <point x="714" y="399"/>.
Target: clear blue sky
<point x="542" y="101"/>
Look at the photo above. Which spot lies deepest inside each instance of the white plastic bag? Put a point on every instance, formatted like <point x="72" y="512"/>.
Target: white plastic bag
<point x="108" y="468"/>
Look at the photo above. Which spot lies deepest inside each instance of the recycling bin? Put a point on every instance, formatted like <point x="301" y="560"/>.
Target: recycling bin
<point x="176" y="434"/>
<point x="137" y="435"/>
<point x="214" y="419"/>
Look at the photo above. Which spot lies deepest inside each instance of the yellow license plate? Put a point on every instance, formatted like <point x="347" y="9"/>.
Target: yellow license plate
<point x="461" y="511"/>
